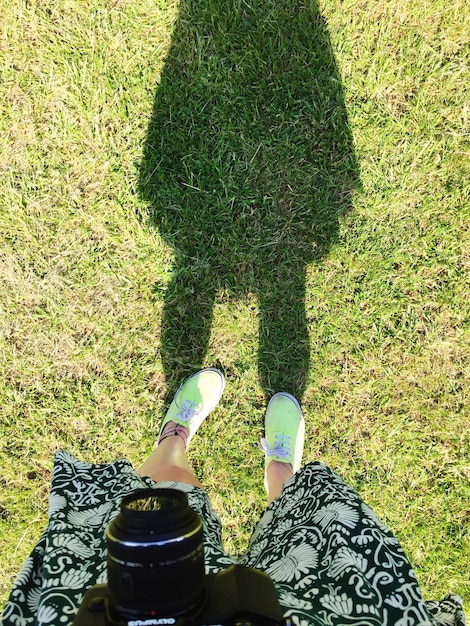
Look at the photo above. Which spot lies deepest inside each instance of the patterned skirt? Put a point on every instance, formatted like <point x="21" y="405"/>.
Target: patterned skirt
<point x="332" y="560"/>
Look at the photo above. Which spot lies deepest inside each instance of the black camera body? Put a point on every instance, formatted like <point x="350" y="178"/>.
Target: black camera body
<point x="156" y="573"/>
<point x="236" y="596"/>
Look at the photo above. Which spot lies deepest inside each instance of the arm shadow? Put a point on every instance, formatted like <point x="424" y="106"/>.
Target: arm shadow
<point x="248" y="166"/>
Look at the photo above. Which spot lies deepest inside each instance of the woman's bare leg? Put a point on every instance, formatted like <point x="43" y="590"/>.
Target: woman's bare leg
<point x="192" y="403"/>
<point x="283" y="443"/>
<point x="168" y="461"/>
<point x="276" y="475"/>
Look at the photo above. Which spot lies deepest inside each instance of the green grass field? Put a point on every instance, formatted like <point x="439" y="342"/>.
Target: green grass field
<point x="277" y="188"/>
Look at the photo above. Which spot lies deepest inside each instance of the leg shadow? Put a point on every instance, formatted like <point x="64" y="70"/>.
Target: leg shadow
<point x="186" y="322"/>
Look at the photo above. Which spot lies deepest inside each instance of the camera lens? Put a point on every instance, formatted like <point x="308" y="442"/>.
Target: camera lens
<point x="156" y="556"/>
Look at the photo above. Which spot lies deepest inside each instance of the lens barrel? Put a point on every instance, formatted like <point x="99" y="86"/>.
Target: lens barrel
<point x="155" y="556"/>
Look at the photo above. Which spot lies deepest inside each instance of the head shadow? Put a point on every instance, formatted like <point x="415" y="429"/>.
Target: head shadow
<point x="247" y="167"/>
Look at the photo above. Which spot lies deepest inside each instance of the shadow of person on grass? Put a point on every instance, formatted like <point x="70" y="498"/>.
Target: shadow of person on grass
<point x="247" y="167"/>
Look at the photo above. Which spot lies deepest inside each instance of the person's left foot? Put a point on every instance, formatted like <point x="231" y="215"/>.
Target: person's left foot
<point x="284" y="431"/>
<point x="192" y="403"/>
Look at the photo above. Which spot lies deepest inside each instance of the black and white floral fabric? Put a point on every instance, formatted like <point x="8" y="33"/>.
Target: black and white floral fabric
<point x="332" y="560"/>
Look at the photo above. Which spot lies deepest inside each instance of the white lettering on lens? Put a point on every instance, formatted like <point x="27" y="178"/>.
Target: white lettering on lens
<point x="152" y="622"/>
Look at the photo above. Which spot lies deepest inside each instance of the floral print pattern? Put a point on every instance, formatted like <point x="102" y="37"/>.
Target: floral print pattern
<point x="332" y="560"/>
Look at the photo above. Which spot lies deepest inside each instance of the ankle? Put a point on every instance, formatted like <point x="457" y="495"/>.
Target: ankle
<point x="280" y="469"/>
<point x="174" y="430"/>
<point x="276" y="474"/>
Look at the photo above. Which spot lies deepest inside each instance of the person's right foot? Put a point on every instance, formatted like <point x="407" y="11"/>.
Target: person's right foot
<point x="194" y="400"/>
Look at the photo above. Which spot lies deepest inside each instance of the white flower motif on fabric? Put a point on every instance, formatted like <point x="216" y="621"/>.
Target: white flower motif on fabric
<point x="444" y="619"/>
<point x="56" y="503"/>
<point x="34" y="599"/>
<point x="365" y="609"/>
<point x="89" y="517"/>
<point x="336" y="512"/>
<point x="72" y="544"/>
<point x="70" y="462"/>
<point x="25" y="572"/>
<point x="289" y="599"/>
<point x="102" y="577"/>
<point x="47" y="615"/>
<point x="74" y="579"/>
<point x="295" y="563"/>
<point x="338" y="604"/>
<point x="346" y="559"/>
